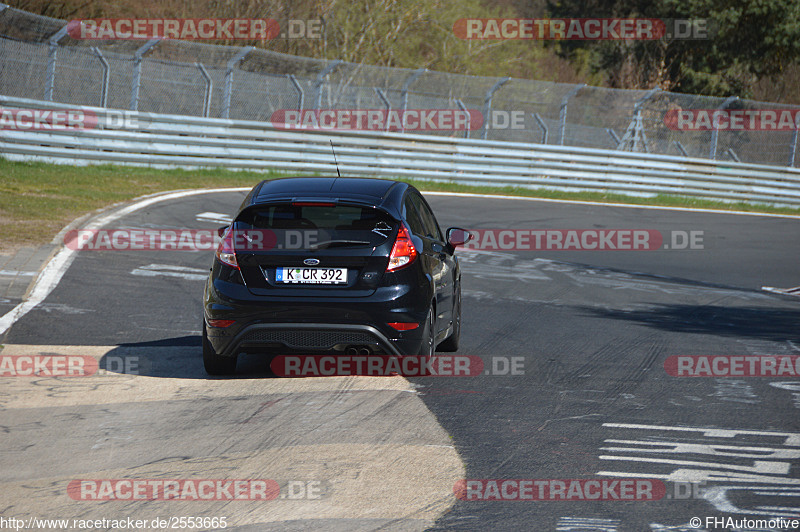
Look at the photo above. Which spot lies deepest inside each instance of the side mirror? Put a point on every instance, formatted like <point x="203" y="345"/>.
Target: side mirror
<point x="221" y="230"/>
<point x="457" y="236"/>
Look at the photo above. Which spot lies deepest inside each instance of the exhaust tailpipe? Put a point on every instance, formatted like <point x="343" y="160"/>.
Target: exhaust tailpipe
<point x="351" y="351"/>
<point x="364" y="351"/>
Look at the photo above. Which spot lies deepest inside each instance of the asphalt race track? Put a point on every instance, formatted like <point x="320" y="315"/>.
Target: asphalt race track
<point x="589" y="333"/>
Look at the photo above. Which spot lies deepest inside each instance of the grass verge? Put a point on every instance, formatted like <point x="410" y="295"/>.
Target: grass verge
<point x="38" y="199"/>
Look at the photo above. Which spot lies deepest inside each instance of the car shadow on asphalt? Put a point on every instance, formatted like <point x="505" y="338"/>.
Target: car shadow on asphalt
<point x="763" y="323"/>
<point x="177" y="358"/>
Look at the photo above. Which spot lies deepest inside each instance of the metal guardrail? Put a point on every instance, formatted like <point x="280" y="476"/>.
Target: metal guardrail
<point x="187" y="141"/>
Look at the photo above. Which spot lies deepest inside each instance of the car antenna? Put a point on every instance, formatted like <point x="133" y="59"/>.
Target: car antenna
<point x="334" y="159"/>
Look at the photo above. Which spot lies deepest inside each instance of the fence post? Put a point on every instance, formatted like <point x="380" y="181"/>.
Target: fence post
<point x="487" y="105"/>
<point x="321" y="78"/>
<point x="562" y="114"/>
<point x="386" y="103"/>
<point x="712" y="152"/>
<point x="209" y="89"/>
<point x="299" y="91"/>
<point x="636" y="128"/>
<point x="106" y="76"/>
<point x="51" y="63"/>
<point x="137" y="72"/>
<point x="228" y="89"/>
<point x="614" y="136"/>
<point x="794" y="144"/>
<point x="681" y="148"/>
<point x="643" y="100"/>
<point x="541" y="125"/>
<point x="466" y="111"/>
<point x="404" y="94"/>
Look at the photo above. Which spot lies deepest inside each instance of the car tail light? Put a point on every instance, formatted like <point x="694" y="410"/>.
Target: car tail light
<point x="221" y="323"/>
<point x="403" y="326"/>
<point x="225" y="251"/>
<point x="403" y="251"/>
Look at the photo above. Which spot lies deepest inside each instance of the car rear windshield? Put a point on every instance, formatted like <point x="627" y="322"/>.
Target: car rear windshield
<point x="321" y="226"/>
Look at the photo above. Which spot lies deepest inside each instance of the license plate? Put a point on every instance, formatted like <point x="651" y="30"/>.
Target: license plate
<point x="311" y="275"/>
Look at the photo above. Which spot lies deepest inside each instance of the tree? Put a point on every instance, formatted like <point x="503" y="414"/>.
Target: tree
<point x="750" y="40"/>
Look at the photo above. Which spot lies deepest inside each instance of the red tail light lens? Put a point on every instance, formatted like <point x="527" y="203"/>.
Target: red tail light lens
<point x="403" y="251"/>
<point x="221" y="323"/>
<point x="403" y="326"/>
<point x="226" y="253"/>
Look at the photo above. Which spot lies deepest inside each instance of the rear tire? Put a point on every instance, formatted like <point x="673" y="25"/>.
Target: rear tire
<point x="428" y="347"/>
<point x="450" y="343"/>
<point x="214" y="363"/>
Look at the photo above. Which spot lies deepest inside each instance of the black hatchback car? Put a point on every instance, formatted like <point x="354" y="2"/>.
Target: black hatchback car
<point x="332" y="266"/>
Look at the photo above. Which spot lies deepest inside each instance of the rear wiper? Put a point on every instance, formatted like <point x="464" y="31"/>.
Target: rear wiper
<point x="329" y="243"/>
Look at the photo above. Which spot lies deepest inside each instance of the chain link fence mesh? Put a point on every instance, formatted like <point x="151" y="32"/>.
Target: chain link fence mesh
<point x="39" y="60"/>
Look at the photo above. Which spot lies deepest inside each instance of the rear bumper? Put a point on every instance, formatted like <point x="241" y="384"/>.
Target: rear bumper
<point x="328" y="338"/>
<point x="315" y="325"/>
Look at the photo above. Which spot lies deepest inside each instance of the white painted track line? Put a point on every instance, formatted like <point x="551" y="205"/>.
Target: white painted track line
<point x="54" y="270"/>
